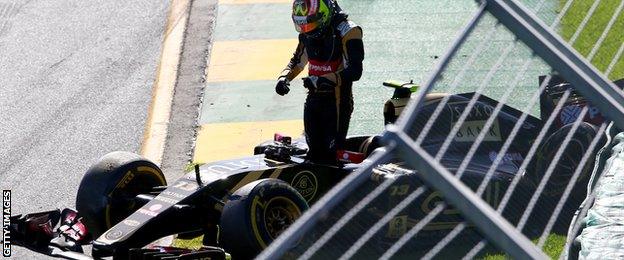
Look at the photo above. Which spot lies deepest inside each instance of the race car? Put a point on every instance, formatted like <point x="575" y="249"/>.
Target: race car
<point x="241" y="205"/>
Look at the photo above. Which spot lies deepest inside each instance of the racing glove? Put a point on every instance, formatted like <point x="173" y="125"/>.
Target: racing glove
<point x="282" y="86"/>
<point x="318" y="84"/>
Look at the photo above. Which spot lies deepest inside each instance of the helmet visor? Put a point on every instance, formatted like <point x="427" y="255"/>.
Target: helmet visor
<point x="306" y="24"/>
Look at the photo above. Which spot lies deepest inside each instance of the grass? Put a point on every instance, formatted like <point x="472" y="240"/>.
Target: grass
<point x="554" y="245"/>
<point x="191" y="166"/>
<point x="592" y="32"/>
<point x="553" y="248"/>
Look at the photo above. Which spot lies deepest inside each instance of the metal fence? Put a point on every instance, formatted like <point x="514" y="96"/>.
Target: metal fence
<point x="496" y="166"/>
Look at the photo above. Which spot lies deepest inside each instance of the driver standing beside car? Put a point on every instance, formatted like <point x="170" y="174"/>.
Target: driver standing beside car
<point x="332" y="46"/>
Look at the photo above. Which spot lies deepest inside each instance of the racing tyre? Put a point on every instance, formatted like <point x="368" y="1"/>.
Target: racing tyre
<point x="107" y="192"/>
<point x="256" y="214"/>
<point x="562" y="173"/>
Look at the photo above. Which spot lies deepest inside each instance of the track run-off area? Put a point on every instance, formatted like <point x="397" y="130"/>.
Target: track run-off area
<point x="254" y="40"/>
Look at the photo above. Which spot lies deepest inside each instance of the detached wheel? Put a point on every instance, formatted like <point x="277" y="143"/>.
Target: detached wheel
<point x="256" y="214"/>
<point x="107" y="192"/>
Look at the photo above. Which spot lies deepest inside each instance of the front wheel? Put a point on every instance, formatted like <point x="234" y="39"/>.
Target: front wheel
<point x="256" y="214"/>
<point x="107" y="191"/>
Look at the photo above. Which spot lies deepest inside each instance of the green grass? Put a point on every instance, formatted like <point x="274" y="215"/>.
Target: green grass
<point x="191" y="166"/>
<point x="593" y="30"/>
<point x="553" y="247"/>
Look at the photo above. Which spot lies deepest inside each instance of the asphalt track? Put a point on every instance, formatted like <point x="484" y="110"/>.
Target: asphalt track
<point x="76" y="81"/>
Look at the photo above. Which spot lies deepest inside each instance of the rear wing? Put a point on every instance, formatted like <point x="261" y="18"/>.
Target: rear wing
<point x="400" y="85"/>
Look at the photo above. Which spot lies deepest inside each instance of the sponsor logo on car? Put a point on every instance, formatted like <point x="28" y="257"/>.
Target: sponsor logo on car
<point x="114" y="234"/>
<point x="397" y="227"/>
<point x="569" y="114"/>
<point x="152" y="210"/>
<point x="167" y="200"/>
<point x="478" y="111"/>
<point x="306" y="184"/>
<point x="173" y="194"/>
<point x="186" y="186"/>
<point x="131" y="222"/>
<point x="470" y="130"/>
<point x="474" y="123"/>
<point x="227" y="167"/>
<point x="215" y="171"/>
<point x="506" y="158"/>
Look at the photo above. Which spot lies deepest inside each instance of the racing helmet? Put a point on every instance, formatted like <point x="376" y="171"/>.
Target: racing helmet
<point x="312" y="16"/>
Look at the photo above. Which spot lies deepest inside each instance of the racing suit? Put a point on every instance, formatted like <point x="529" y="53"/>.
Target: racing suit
<point x="336" y="59"/>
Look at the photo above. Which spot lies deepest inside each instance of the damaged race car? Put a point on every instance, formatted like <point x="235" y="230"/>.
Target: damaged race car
<point x="239" y="206"/>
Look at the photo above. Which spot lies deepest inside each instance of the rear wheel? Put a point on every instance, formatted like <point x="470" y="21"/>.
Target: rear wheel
<point x="107" y="191"/>
<point x="256" y="214"/>
<point x="562" y="174"/>
<point x="569" y="161"/>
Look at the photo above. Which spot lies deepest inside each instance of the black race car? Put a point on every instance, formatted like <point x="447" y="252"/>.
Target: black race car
<point x="241" y="205"/>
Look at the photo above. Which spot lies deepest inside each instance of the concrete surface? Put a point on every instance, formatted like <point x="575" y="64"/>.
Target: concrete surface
<point x="189" y="89"/>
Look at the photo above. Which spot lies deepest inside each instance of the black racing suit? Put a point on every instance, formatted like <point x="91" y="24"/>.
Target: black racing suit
<point x="337" y="58"/>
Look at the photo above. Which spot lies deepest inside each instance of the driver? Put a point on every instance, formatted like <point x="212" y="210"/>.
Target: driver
<point x="332" y="47"/>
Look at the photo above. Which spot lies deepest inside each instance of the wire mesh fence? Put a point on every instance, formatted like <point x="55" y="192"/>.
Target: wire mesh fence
<point x="493" y="155"/>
